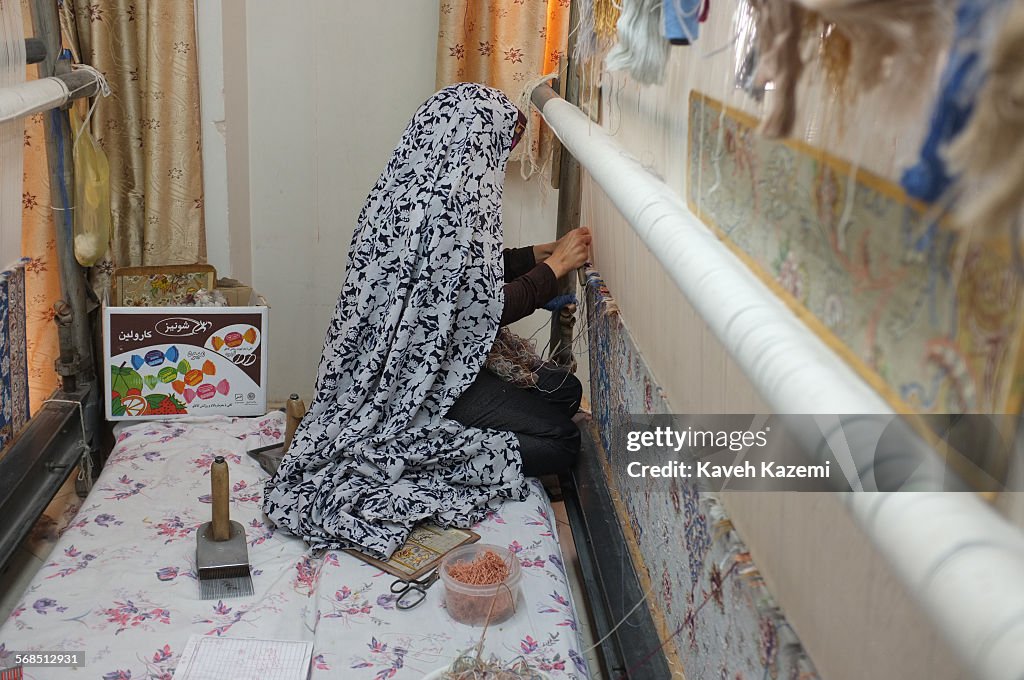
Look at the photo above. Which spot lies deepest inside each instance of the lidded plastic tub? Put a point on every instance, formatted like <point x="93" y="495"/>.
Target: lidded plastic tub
<point x="477" y="605"/>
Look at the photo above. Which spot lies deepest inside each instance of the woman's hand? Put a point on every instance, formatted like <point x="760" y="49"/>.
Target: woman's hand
<point x="542" y="251"/>
<point x="571" y="252"/>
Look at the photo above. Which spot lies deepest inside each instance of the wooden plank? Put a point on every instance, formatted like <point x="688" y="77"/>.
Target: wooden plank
<point x="569" y="190"/>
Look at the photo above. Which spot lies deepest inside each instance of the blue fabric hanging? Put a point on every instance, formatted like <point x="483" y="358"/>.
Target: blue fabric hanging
<point x="680" y="21"/>
<point x="962" y="78"/>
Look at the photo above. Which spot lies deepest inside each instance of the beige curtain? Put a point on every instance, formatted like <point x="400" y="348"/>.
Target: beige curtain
<point x="505" y="44"/>
<point x="149" y="127"/>
<point x="150" y="131"/>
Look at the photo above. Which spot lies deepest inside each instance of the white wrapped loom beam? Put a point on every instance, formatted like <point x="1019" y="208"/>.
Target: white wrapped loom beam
<point x="963" y="563"/>
<point x="34" y="96"/>
<point x="794" y="371"/>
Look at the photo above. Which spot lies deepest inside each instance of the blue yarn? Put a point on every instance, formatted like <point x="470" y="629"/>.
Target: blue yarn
<point x="560" y="301"/>
<point x="961" y="80"/>
<point x="58" y="121"/>
<point x="58" y="131"/>
<point x="680" y="26"/>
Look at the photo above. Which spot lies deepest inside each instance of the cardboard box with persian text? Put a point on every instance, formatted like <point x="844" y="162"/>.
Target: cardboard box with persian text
<point x="173" y="362"/>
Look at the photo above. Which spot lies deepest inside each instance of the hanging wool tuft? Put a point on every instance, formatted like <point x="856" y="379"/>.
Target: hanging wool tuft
<point x="641" y="49"/>
<point x="989" y="153"/>
<point x="585" y="46"/>
<point x="893" y="44"/>
<point x="12" y="133"/>
<point x="779" y="27"/>
<point x="606" y="16"/>
<point x="964" y="74"/>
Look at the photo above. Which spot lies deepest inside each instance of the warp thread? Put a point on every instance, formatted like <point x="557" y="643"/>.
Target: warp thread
<point x="990" y="150"/>
<point x="641" y="49"/>
<point x="12" y="133"/>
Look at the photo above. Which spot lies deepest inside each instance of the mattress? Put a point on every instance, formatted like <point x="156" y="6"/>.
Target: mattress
<point x="121" y="585"/>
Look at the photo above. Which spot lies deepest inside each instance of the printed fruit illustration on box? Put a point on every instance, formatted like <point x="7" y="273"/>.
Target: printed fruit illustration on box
<point x="163" y="381"/>
<point x="127" y="399"/>
<point x="175" y="362"/>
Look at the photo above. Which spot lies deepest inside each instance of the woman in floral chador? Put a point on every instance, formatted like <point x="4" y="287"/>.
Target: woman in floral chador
<point x="425" y="407"/>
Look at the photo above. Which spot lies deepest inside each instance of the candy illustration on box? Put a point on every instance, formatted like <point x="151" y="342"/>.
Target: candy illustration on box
<point x="188" y="363"/>
<point x="237" y="342"/>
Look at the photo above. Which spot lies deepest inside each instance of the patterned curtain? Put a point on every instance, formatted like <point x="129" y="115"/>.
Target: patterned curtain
<point x="504" y="44"/>
<point x="150" y="131"/>
<point x="39" y="244"/>
<point x="149" y="127"/>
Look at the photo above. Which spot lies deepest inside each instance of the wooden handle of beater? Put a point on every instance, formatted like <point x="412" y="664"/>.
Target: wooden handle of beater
<point x="221" y="525"/>
<point x="294" y="410"/>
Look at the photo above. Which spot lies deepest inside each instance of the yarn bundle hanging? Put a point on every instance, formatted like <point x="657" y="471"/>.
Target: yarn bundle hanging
<point x="863" y="45"/>
<point x="641" y="50"/>
<point x="989" y="151"/>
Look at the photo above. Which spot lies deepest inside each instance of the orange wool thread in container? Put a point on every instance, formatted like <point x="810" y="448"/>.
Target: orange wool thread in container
<point x="486" y="570"/>
<point x="481" y="583"/>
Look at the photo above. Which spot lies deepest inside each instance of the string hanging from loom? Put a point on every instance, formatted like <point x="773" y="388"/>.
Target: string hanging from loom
<point x="530" y="164"/>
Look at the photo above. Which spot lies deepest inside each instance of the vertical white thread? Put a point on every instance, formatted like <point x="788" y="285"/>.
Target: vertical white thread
<point x="12" y="133"/>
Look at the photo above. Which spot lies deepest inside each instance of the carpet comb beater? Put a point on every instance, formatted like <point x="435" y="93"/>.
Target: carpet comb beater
<point x="222" y="556"/>
<point x="269" y="457"/>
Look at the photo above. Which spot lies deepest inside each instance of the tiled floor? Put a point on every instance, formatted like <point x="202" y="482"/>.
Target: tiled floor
<point x="35" y="548"/>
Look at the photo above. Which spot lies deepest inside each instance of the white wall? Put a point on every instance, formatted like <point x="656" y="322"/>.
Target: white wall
<point x="210" y="39"/>
<point x="301" y="111"/>
<point x="317" y="94"/>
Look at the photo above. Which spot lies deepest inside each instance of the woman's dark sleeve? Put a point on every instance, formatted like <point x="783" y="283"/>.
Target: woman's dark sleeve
<point x="518" y="261"/>
<point x="528" y="292"/>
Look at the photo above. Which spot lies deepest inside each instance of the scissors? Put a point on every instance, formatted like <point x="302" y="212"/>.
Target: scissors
<point x="411" y="593"/>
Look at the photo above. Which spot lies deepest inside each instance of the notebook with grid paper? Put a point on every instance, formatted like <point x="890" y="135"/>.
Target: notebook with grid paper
<point x="208" y="657"/>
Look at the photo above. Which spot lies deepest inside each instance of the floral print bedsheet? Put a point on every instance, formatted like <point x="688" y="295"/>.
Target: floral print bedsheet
<point x="121" y="583"/>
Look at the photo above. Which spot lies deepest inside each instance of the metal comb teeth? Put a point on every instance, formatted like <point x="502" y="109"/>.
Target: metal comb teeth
<point x="223" y="587"/>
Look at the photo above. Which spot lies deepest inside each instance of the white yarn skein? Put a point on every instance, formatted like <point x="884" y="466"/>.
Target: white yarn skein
<point x="641" y="49"/>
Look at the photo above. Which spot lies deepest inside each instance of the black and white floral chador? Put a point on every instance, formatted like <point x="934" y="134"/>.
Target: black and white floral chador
<point x="418" y="312"/>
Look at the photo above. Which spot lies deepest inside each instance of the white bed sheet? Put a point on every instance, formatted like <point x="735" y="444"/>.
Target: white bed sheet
<point x="121" y="586"/>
